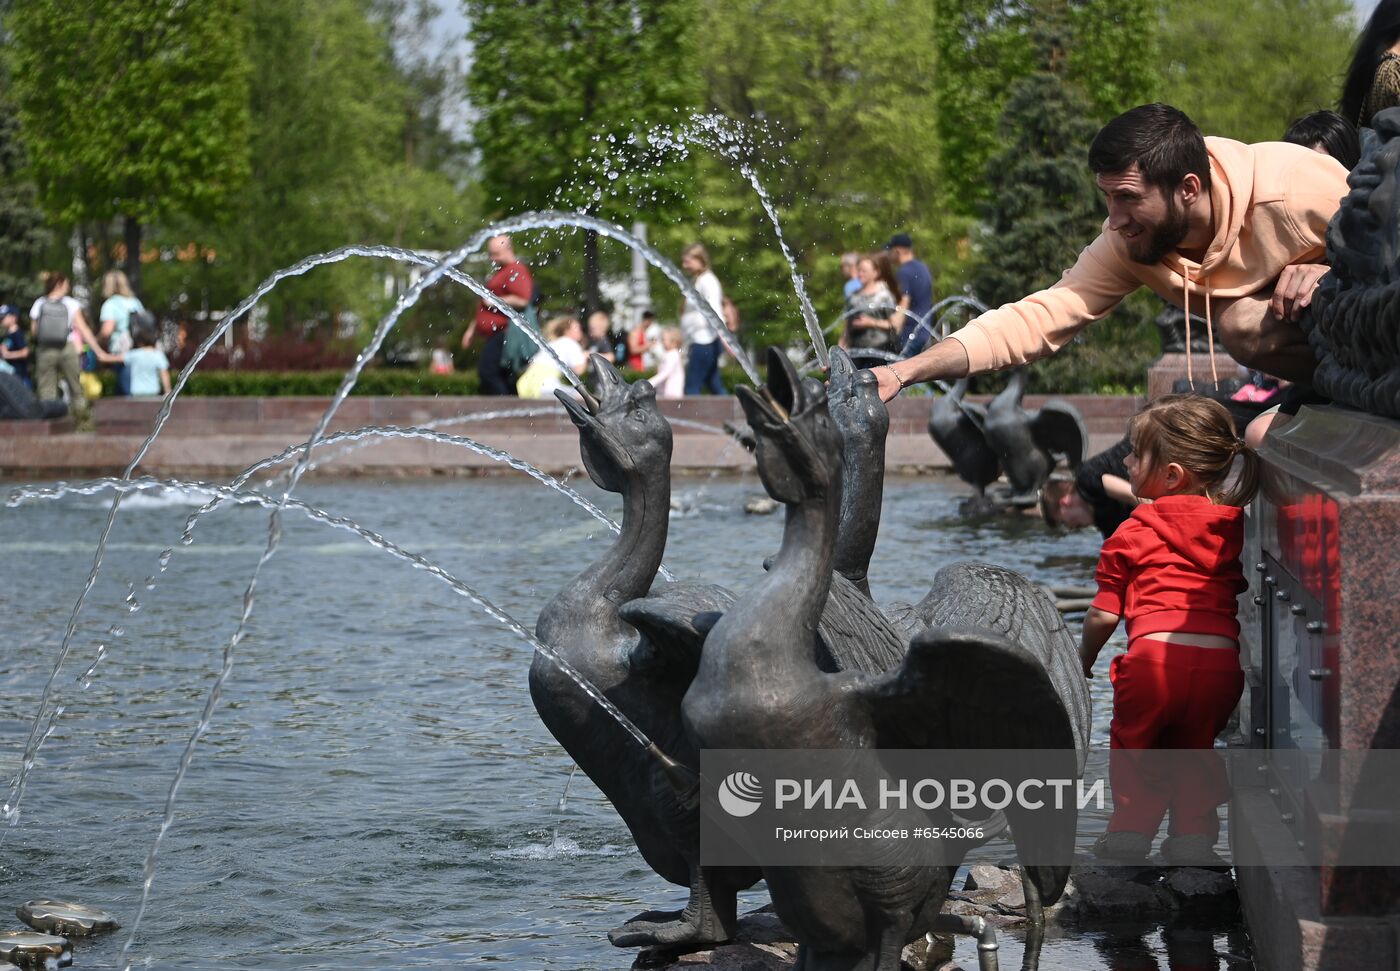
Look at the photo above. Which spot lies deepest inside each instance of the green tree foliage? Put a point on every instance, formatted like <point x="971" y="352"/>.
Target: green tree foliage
<point x="847" y="90"/>
<point x="340" y="153"/>
<point x="985" y="46"/>
<point x="134" y="108"/>
<point x="24" y="235"/>
<point x="1044" y="210"/>
<point x="563" y="98"/>
<point x="1245" y="69"/>
<point x="1044" y="206"/>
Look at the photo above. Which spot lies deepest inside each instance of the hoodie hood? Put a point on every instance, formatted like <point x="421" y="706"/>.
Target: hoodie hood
<point x="1231" y="192"/>
<point x="1208" y="535"/>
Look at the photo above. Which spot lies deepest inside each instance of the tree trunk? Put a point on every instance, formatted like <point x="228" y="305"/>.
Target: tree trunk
<point x="592" y="298"/>
<point x="131" y="235"/>
<point x="78" y="243"/>
<point x="103" y="249"/>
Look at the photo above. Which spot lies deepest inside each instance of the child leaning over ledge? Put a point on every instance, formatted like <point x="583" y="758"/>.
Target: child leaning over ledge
<point x="1173" y="570"/>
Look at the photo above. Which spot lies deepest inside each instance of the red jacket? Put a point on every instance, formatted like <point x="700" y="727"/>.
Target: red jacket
<point x="1175" y="566"/>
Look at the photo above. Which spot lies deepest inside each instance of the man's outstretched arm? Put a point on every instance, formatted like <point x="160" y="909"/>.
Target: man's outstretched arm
<point x="1031" y="328"/>
<point x="946" y="360"/>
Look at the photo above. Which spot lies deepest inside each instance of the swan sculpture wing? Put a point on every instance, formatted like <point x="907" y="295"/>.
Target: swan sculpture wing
<point x="983" y="596"/>
<point x="924" y="703"/>
<point x="855" y="633"/>
<point x="957" y="427"/>
<point x="1058" y="428"/>
<point x="670" y="642"/>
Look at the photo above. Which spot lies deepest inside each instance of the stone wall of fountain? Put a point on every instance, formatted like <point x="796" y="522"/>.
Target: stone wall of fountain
<point x="208" y="437"/>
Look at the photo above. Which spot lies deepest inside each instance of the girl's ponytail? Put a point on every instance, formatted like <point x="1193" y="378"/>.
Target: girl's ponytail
<point x="1247" y="479"/>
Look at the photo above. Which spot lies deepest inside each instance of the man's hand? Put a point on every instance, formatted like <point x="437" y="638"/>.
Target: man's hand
<point x="1294" y="291"/>
<point x="889" y="382"/>
<point x="467" y="337"/>
<point x="944" y="360"/>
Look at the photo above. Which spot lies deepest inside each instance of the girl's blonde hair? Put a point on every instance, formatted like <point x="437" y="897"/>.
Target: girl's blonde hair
<point x="115" y="282"/>
<point x="558" y="326"/>
<point x="1198" y="434"/>
<point x="698" y="251"/>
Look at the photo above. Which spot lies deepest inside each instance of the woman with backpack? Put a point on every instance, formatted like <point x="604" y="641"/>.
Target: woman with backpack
<point x="57" y="319"/>
<point x="119" y="307"/>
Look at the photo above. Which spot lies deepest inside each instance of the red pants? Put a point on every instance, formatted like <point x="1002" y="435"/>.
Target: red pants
<point x="1176" y="697"/>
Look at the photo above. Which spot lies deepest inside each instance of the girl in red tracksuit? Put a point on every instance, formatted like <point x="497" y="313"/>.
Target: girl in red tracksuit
<point x="1173" y="570"/>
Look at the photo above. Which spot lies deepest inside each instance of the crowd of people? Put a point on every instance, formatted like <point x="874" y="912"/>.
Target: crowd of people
<point x="686" y="359"/>
<point x="56" y="356"/>
<point x="888" y="305"/>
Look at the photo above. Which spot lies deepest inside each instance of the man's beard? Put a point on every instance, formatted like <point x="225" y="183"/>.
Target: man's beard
<point x="1163" y="238"/>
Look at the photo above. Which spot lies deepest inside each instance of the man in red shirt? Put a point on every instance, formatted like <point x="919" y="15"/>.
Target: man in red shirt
<point x="514" y="286"/>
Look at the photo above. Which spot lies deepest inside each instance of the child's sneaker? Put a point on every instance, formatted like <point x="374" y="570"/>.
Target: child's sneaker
<point x="1192" y="850"/>
<point x="1123" y="846"/>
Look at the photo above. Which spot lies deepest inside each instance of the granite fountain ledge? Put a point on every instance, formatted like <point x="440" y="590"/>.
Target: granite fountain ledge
<point x="221" y="436"/>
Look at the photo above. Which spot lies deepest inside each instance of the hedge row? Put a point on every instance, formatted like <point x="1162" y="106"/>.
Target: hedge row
<point x="381" y="382"/>
<point x="375" y="382"/>
<point x="1083" y="373"/>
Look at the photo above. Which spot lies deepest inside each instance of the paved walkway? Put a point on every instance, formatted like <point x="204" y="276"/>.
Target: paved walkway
<point x="218" y="437"/>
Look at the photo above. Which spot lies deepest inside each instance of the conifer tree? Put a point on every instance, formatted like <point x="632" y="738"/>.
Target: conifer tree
<point x="24" y="236"/>
<point x="1044" y="209"/>
<point x="1107" y="47"/>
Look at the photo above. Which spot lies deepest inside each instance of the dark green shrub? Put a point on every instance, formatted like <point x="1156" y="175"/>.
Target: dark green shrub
<point x="382" y="382"/>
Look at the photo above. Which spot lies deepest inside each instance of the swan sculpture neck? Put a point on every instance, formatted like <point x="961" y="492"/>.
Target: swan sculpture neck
<point x="862" y="497"/>
<point x="627" y="568"/>
<point x="774" y="629"/>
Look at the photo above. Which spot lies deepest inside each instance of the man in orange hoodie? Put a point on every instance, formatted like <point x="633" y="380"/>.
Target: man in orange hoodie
<point x="1235" y="233"/>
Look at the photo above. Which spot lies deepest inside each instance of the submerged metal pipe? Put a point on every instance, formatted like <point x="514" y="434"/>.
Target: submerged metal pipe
<point x="978" y="927"/>
<point x="1035" y="929"/>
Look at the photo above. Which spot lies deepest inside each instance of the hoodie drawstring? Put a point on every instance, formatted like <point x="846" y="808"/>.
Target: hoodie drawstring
<point x="1210" y="329"/>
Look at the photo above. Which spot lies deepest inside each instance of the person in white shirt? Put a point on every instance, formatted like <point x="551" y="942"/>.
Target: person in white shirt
<point x="701" y="339"/>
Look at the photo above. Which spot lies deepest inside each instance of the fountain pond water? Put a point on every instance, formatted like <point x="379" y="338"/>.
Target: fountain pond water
<point x="376" y="788"/>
